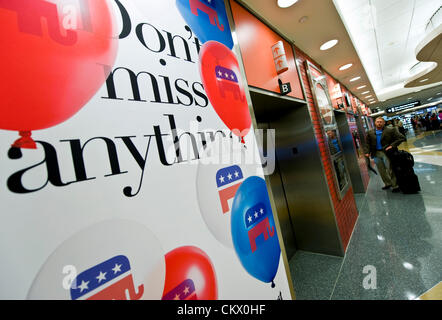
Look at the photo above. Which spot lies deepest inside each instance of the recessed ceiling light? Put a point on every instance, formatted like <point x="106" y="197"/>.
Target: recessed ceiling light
<point x="355" y="79"/>
<point x="361" y="87"/>
<point x="410" y="98"/>
<point x="423" y="80"/>
<point x="286" y="3"/>
<point x="365" y="92"/>
<point x="369" y="96"/>
<point x="430" y="99"/>
<point x="329" y="44"/>
<point x="439" y="93"/>
<point x="345" y="67"/>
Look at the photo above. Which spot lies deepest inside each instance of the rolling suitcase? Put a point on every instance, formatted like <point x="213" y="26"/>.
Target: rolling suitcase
<point x="402" y="163"/>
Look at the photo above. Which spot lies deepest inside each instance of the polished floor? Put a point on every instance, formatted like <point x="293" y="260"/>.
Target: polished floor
<point x="395" y="252"/>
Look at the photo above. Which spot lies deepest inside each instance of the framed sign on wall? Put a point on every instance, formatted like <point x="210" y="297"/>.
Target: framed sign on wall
<point x="329" y="127"/>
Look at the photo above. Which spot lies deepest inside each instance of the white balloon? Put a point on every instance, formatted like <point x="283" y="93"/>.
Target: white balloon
<point x="114" y="259"/>
<point x="221" y="171"/>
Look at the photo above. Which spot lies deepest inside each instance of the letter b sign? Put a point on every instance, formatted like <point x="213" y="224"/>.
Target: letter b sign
<point x="284" y="88"/>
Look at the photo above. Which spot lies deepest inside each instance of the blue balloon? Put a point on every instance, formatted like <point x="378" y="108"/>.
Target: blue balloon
<point x="207" y="19"/>
<point x="253" y="230"/>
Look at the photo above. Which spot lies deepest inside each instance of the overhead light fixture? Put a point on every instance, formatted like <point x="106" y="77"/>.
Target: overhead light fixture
<point x="361" y="87"/>
<point x="345" y="67"/>
<point x="329" y="44"/>
<point x="369" y="96"/>
<point x="365" y="92"/>
<point x="286" y="3"/>
<point x="439" y="93"/>
<point x="410" y="98"/>
<point x="355" y="79"/>
<point x="430" y="99"/>
<point x="423" y="80"/>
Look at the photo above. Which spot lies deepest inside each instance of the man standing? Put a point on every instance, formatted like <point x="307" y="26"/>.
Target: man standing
<point x="380" y="140"/>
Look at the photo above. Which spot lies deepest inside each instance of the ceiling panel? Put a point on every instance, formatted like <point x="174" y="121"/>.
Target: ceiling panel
<point x="398" y="27"/>
<point x="383" y="51"/>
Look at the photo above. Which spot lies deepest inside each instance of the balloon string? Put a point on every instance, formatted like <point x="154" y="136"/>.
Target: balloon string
<point x="25" y="142"/>
<point x="243" y="142"/>
<point x="273" y="284"/>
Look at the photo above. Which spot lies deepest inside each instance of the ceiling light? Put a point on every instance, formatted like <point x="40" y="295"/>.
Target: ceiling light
<point x="369" y="96"/>
<point x="354" y="79"/>
<point x="410" y="98"/>
<point x="365" y="92"/>
<point x="424" y="80"/>
<point x="439" y="93"/>
<point x="361" y="87"/>
<point x="329" y="44"/>
<point x="430" y="99"/>
<point x="286" y="3"/>
<point x="345" y="67"/>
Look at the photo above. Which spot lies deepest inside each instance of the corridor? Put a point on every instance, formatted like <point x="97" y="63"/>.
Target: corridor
<point x="397" y="239"/>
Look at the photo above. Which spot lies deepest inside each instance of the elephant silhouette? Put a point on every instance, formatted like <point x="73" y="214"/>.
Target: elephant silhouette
<point x="109" y="280"/>
<point x="196" y="5"/>
<point x="30" y="14"/>
<point x="231" y="176"/>
<point x="262" y="228"/>
<point x="227" y="80"/>
<point x="121" y="290"/>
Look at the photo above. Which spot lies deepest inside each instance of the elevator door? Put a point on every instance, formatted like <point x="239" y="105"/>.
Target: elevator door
<point x="298" y="183"/>
<point x="279" y="196"/>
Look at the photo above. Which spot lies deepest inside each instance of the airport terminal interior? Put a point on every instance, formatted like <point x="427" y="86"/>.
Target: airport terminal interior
<point x="381" y="57"/>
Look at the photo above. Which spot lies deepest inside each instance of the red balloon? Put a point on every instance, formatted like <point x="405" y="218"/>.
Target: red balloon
<point x="190" y="275"/>
<point x="220" y="74"/>
<point x="55" y="56"/>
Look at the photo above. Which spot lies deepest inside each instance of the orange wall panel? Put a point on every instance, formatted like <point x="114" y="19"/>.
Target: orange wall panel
<point x="256" y="41"/>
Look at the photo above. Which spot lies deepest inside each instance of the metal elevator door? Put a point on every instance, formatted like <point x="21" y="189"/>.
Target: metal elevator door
<point x="299" y="184"/>
<point x="279" y="195"/>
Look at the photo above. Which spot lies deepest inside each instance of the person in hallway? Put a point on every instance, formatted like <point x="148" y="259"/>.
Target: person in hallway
<point x="414" y="123"/>
<point x="427" y="122"/>
<point x="434" y="122"/>
<point x="402" y="130"/>
<point x="380" y="140"/>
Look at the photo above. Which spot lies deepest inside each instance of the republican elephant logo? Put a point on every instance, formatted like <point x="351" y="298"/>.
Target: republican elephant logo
<point x="109" y="280"/>
<point x="208" y="7"/>
<point x="184" y="291"/>
<point x="227" y="81"/>
<point x="258" y="224"/>
<point x="228" y="181"/>
<point x="29" y="17"/>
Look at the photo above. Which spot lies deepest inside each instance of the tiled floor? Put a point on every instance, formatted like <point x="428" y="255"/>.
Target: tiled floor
<point x="398" y="236"/>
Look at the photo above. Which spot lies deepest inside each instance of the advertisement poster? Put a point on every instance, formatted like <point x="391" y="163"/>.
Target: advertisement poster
<point x="115" y="115"/>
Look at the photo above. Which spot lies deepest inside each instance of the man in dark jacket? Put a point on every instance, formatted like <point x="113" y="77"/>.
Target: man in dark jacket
<point x="379" y="141"/>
